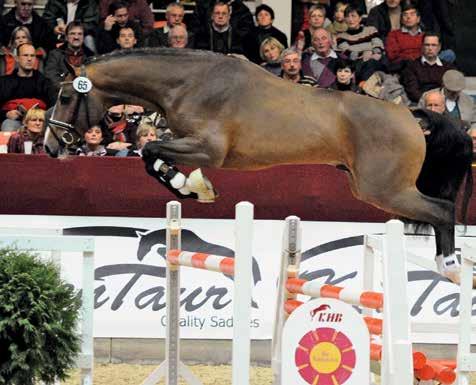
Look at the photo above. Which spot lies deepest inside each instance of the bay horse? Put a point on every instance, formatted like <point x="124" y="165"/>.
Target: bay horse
<point x="226" y="112"/>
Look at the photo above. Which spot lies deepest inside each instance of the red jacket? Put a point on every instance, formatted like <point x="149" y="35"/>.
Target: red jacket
<point x="403" y="46"/>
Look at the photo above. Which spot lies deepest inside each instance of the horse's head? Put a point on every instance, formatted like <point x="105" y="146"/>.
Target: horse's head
<point x="76" y="110"/>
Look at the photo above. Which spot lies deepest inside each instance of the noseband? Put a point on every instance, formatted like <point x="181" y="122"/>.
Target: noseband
<point x="70" y="139"/>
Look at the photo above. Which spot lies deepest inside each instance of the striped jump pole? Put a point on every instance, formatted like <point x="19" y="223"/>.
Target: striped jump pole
<point x="240" y="267"/>
<point x="396" y="355"/>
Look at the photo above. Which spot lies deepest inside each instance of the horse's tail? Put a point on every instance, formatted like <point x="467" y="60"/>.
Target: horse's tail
<point x="448" y="160"/>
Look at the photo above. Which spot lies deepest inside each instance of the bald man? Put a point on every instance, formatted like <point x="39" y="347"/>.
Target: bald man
<point x="435" y="101"/>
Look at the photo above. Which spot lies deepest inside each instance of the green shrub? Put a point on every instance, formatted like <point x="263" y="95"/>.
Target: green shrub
<point x="38" y="318"/>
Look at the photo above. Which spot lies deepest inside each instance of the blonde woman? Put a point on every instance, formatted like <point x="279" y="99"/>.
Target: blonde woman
<point x="270" y="51"/>
<point x="32" y="130"/>
<point x="146" y="133"/>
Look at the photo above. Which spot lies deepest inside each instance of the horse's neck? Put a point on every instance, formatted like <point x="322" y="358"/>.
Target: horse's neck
<point x="143" y="82"/>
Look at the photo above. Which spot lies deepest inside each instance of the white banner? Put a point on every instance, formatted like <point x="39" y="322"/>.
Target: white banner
<point x="130" y="274"/>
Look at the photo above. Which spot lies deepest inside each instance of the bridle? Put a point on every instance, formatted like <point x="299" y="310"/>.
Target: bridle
<point x="70" y="139"/>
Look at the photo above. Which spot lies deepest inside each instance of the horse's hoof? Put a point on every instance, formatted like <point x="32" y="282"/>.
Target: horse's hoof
<point x="449" y="267"/>
<point x="201" y="185"/>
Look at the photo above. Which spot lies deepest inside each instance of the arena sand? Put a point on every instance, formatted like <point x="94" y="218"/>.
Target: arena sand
<point x="125" y="374"/>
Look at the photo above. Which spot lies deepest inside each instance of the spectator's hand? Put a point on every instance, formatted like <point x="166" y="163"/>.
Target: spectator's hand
<point x="118" y="146"/>
<point x="60" y="29"/>
<point x="366" y="55"/>
<point x="109" y="22"/>
<point x="13" y="114"/>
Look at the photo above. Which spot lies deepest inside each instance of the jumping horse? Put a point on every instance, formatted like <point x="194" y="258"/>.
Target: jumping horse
<point x="226" y="112"/>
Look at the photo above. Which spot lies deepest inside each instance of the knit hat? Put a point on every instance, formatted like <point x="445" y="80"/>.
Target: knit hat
<point x="454" y="81"/>
<point x="264" y="7"/>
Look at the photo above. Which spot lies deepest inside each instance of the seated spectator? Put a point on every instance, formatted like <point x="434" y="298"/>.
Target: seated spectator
<point x="439" y="16"/>
<point x="32" y="130"/>
<point x="404" y="44"/>
<point x="320" y="63"/>
<point x="220" y="35"/>
<point x="270" y="52"/>
<point x="174" y="16"/>
<point x="22" y="89"/>
<point x="317" y="19"/>
<point x="385" y="17"/>
<point x="241" y="19"/>
<point x="119" y="126"/>
<point x="118" y="18"/>
<point x="23" y="15"/>
<point x="93" y="143"/>
<point x="61" y="13"/>
<point x="361" y="44"/>
<point x="65" y="61"/>
<point x="426" y="72"/>
<point x="338" y="24"/>
<point x="20" y="35"/>
<point x="264" y="17"/>
<point x="139" y="11"/>
<point x="345" y="79"/>
<point x="178" y="36"/>
<point x="146" y="133"/>
<point x="126" y="38"/>
<point x="292" y="69"/>
<point x="457" y="104"/>
<point x="434" y="101"/>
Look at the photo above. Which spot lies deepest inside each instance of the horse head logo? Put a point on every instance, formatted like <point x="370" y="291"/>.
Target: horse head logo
<point x="318" y="309"/>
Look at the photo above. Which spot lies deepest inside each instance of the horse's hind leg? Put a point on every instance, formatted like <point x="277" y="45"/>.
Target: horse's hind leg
<point x="439" y="213"/>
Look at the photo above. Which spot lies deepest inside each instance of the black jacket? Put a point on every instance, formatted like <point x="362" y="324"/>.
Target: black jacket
<point x="16" y="87"/>
<point x="87" y="13"/>
<point x="41" y="34"/>
<point x="379" y="18"/>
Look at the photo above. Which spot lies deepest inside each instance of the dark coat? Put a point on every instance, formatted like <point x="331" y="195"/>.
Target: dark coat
<point x="241" y="18"/>
<point x="106" y="40"/>
<point x="87" y="13"/>
<point x="16" y="87"/>
<point x="418" y="78"/>
<point x="41" y="34"/>
<point x="255" y="38"/>
<point x="222" y="42"/>
<point x="57" y="66"/>
<point x="379" y="18"/>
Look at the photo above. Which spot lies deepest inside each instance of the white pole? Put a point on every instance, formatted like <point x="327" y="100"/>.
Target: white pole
<point x="397" y="362"/>
<point x="242" y="293"/>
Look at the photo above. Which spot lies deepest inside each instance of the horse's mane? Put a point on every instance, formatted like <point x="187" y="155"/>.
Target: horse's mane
<point x="184" y="53"/>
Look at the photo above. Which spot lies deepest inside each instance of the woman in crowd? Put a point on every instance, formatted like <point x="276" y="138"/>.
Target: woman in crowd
<point x="93" y="143"/>
<point x="270" y="51"/>
<point x="20" y="35"/>
<point x="264" y="28"/>
<point x="146" y="132"/>
<point x="30" y="134"/>
<point x="345" y="79"/>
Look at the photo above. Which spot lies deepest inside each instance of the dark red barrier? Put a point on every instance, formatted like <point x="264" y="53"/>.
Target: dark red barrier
<point x="39" y="185"/>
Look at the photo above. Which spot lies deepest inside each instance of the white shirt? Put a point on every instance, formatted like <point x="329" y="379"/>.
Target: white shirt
<point x="438" y="61"/>
<point x="316" y="56"/>
<point x="72" y="7"/>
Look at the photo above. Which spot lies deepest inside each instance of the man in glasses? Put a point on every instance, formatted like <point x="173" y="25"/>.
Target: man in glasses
<point x="23" y="14"/>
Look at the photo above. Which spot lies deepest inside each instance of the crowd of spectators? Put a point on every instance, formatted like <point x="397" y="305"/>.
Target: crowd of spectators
<point x="399" y="50"/>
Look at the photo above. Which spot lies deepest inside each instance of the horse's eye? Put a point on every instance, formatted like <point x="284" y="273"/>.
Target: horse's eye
<point x="65" y="99"/>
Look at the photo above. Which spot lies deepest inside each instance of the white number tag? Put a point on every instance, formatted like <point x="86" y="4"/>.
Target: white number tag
<point x="82" y="85"/>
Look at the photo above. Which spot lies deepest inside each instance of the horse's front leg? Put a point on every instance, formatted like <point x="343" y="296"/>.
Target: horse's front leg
<point x="160" y="158"/>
